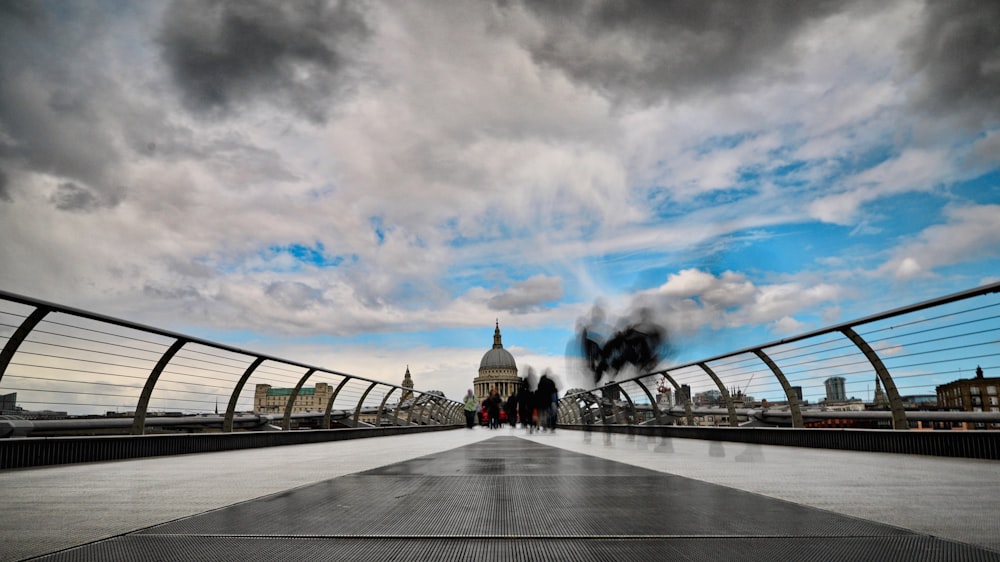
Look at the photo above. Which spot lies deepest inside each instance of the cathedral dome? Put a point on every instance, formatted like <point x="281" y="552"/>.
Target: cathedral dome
<point x="498" y="357"/>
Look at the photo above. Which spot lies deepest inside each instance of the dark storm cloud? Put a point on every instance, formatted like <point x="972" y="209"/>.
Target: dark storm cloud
<point x="54" y="105"/>
<point x="956" y="56"/>
<point x="294" y="54"/>
<point x="4" y="192"/>
<point x="639" y="50"/>
<point x="72" y="197"/>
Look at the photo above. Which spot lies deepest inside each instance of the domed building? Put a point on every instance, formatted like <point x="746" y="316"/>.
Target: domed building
<point x="497" y="370"/>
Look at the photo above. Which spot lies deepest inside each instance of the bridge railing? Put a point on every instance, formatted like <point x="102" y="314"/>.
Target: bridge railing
<point x="57" y="362"/>
<point x="883" y="370"/>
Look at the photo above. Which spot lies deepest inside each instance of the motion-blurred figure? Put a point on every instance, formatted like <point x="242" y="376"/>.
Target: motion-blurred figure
<point x="546" y="399"/>
<point x="526" y="405"/>
<point x="638" y="344"/>
<point x="510" y="408"/>
<point x="470" y="407"/>
<point x="492" y="404"/>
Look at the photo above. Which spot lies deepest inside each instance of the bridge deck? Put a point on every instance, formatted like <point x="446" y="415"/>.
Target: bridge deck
<point x="483" y="495"/>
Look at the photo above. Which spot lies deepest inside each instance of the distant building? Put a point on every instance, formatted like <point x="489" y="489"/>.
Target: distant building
<point x="8" y="404"/>
<point x="496" y="370"/>
<point x="407" y="384"/>
<point x="268" y="400"/>
<point x="797" y="393"/>
<point x="684" y="394"/>
<point x="970" y="395"/>
<point x="708" y="398"/>
<point x="835" y="389"/>
<point x="879" y="400"/>
<point x="920" y="401"/>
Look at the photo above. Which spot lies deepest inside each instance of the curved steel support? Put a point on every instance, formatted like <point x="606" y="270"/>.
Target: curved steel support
<point x="564" y="410"/>
<point x="423" y="419"/>
<point x="227" y="423"/>
<point x="439" y="413"/>
<point x="612" y="401"/>
<point x="652" y="402"/>
<point x="399" y="405"/>
<point x="434" y="405"/>
<point x="573" y="408"/>
<point x="329" y="403"/>
<point x="361" y="401"/>
<point x="445" y="411"/>
<point x="381" y="407"/>
<point x="139" y="421"/>
<point x="793" y="400"/>
<point x="413" y="406"/>
<point x="895" y="402"/>
<point x="286" y="423"/>
<point x="580" y="417"/>
<point x="688" y="406"/>
<point x="629" y="420"/>
<point x="733" y="422"/>
<point x="19" y="335"/>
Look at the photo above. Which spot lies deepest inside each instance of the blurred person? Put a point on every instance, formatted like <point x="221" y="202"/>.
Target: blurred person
<point x="543" y="401"/>
<point x="471" y="406"/>
<point x="510" y="408"/>
<point x="526" y="405"/>
<point x="492" y="404"/>
<point x="547" y="401"/>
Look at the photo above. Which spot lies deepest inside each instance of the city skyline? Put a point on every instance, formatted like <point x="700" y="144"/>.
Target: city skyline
<point x="370" y="186"/>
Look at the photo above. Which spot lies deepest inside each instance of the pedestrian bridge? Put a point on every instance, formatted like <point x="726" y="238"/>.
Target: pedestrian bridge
<point x="507" y="495"/>
<point x="627" y="475"/>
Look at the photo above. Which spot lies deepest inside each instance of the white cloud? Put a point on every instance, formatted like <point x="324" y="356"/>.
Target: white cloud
<point x="457" y="171"/>
<point x="691" y="299"/>
<point x="969" y="233"/>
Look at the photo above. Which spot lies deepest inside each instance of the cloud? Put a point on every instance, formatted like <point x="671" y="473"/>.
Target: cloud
<point x="635" y="50"/>
<point x="72" y="197"/>
<point x="916" y="169"/>
<point x="67" y="110"/>
<point x="955" y="57"/>
<point x="529" y="294"/>
<point x="4" y="190"/>
<point x="691" y="299"/>
<point x="969" y="233"/>
<point x="295" y="55"/>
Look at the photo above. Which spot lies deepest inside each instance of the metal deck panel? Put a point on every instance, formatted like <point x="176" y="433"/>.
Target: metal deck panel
<point x="510" y="497"/>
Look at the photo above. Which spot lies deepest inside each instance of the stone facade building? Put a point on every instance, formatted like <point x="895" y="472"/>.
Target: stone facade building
<point x="971" y="395"/>
<point x="268" y="400"/>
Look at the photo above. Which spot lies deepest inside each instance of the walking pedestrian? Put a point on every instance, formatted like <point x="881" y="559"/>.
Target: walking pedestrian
<point x="470" y="406"/>
<point x="493" y="408"/>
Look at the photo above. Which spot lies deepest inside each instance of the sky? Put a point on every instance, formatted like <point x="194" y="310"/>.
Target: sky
<point x="372" y="186"/>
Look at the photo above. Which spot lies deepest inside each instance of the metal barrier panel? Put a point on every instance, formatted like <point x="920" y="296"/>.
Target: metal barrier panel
<point x="969" y="444"/>
<point x="29" y="452"/>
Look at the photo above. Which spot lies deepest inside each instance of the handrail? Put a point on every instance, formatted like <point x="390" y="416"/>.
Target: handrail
<point x="979" y="344"/>
<point x="110" y="344"/>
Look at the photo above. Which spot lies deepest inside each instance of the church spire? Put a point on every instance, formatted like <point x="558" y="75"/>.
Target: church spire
<point x="879" y="398"/>
<point x="407" y="384"/>
<point x="497" y="344"/>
